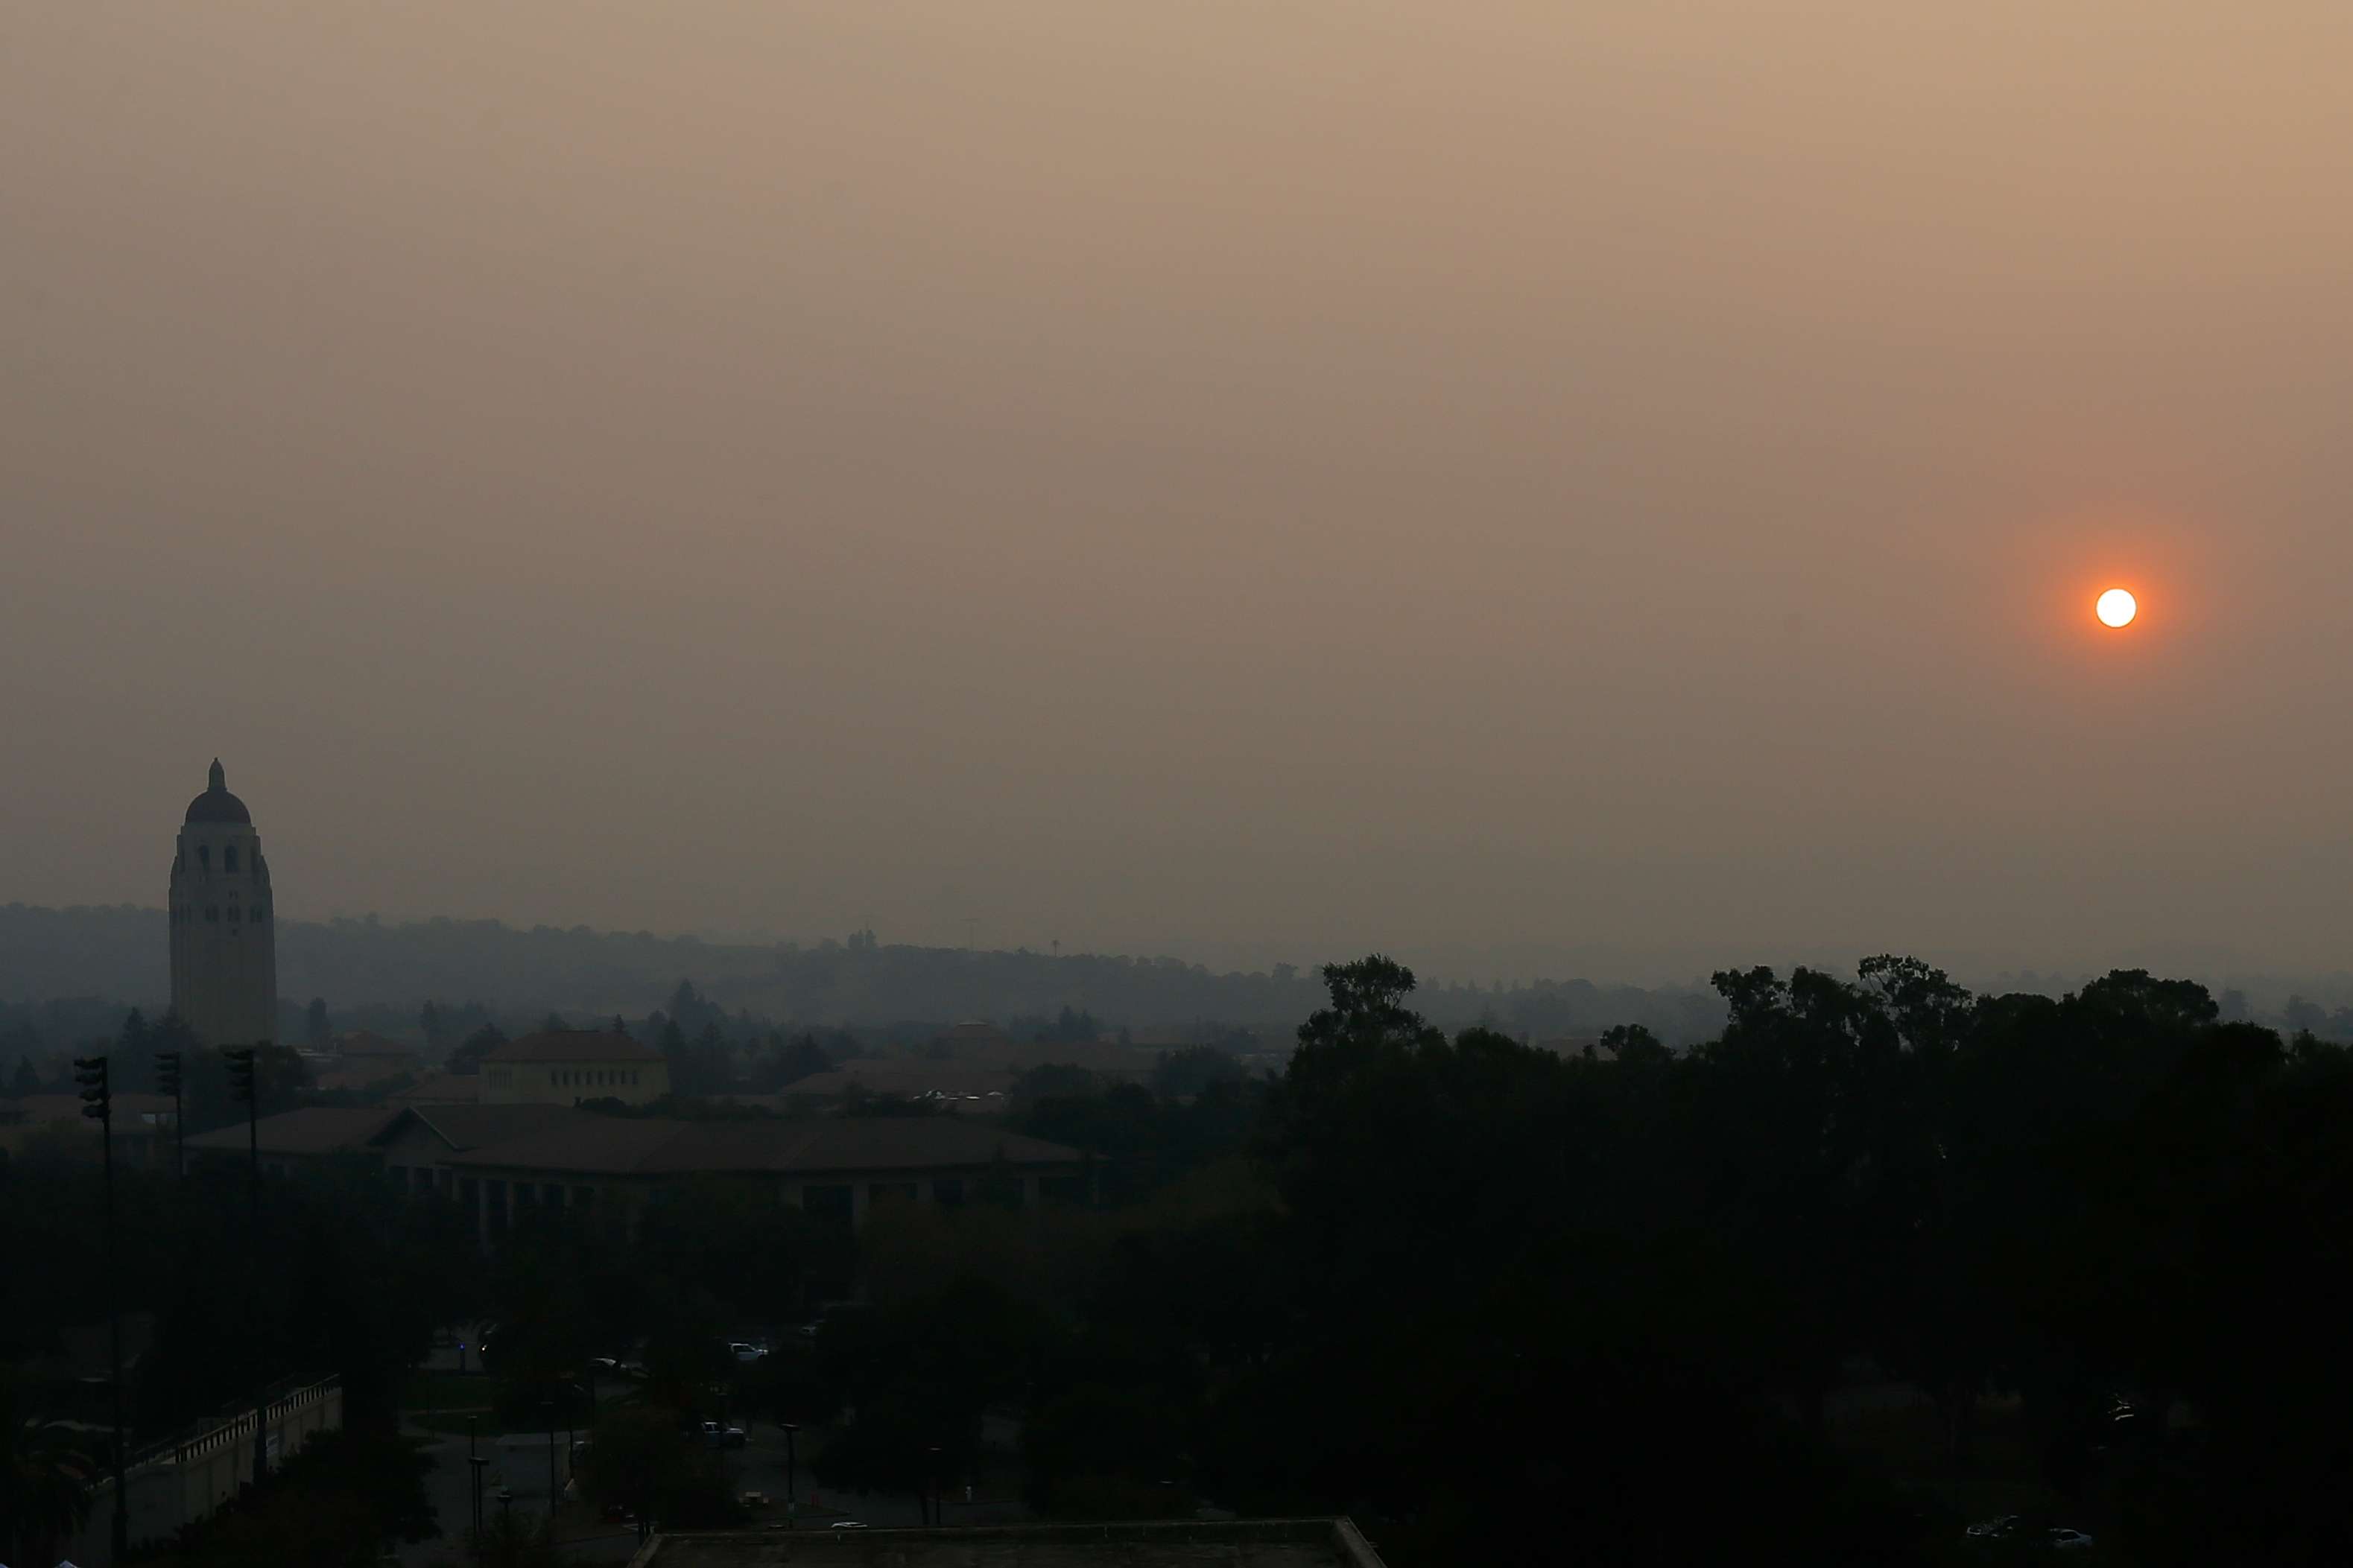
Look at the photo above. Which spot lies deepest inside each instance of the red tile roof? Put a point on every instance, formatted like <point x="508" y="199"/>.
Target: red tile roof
<point x="472" y="1126"/>
<point x="621" y="1145"/>
<point x="313" y="1130"/>
<point x="441" y="1089"/>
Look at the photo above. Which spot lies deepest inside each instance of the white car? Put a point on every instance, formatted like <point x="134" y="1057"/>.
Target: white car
<point x="2067" y="1541"/>
<point x="747" y="1351"/>
<point x="845" y="1524"/>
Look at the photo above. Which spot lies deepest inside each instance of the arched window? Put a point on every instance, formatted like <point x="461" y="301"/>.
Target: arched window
<point x="633" y="1078"/>
<point x="228" y="857"/>
<point x="204" y="856"/>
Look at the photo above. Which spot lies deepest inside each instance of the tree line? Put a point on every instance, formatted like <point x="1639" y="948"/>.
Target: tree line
<point x="1494" y="1301"/>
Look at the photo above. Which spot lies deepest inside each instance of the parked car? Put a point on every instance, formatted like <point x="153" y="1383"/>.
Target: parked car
<point x="743" y="1350"/>
<point x="2067" y="1539"/>
<point x="1995" y="1529"/>
<point x="720" y="1437"/>
<point x="845" y="1524"/>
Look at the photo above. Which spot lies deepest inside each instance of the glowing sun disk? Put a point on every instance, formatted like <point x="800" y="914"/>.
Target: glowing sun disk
<point x="2117" y="608"/>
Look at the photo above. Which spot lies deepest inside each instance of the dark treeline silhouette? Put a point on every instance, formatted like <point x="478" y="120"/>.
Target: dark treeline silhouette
<point x="1504" y="1304"/>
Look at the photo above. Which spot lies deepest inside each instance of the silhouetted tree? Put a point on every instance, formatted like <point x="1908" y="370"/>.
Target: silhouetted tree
<point x="468" y="1057"/>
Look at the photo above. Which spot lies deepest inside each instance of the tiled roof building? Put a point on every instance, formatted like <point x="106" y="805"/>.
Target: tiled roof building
<point x="564" y="1067"/>
<point x="504" y="1162"/>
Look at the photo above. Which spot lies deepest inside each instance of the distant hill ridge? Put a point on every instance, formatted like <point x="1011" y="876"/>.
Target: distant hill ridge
<point x="118" y="952"/>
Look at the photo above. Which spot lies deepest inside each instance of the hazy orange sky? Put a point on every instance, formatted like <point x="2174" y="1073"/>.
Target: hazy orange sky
<point x="1605" y="487"/>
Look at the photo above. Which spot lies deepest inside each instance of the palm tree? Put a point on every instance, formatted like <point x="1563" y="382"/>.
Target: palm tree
<point x="44" y="1479"/>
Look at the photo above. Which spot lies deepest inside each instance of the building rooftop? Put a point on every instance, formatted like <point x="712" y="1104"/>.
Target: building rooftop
<point x="574" y="1046"/>
<point x="620" y="1145"/>
<point x="313" y="1130"/>
<point x="441" y="1089"/>
<point x="1234" y="1543"/>
<point x="473" y="1126"/>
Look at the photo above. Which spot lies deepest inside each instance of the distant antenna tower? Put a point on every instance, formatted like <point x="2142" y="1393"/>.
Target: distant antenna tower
<point x="971" y="932"/>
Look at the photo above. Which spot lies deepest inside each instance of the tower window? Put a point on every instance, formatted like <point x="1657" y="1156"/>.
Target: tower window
<point x="212" y="914"/>
<point x="228" y="857"/>
<point x="233" y="914"/>
<point x="204" y="856"/>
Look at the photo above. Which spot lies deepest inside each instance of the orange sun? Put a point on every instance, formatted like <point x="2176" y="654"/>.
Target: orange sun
<point x="2116" y="608"/>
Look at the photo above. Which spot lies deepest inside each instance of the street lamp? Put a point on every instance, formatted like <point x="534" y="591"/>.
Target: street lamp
<point x="792" y="1503"/>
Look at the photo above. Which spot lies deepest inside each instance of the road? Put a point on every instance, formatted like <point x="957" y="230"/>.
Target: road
<point x="518" y="1461"/>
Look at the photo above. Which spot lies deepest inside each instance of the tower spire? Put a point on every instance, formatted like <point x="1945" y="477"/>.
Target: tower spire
<point x="219" y="780"/>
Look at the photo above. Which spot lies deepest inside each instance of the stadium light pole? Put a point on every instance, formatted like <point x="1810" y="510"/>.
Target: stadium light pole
<point x="167" y="1078"/>
<point x="98" y="1102"/>
<point x="243" y="1083"/>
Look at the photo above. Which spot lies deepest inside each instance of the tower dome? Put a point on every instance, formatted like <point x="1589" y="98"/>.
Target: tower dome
<point x="216" y="804"/>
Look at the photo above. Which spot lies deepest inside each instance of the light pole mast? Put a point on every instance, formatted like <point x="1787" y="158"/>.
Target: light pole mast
<point x="243" y="1081"/>
<point x="167" y="1078"/>
<point x="98" y="1101"/>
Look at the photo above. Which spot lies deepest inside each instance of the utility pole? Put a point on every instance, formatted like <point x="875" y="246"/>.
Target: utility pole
<point x="167" y="1078"/>
<point x="98" y="1101"/>
<point x="244" y="1084"/>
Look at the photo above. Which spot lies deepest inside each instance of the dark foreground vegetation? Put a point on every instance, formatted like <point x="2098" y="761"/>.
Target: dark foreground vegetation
<point x="1884" y="1257"/>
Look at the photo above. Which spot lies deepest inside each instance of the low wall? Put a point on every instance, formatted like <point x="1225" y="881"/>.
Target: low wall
<point x="176" y="1483"/>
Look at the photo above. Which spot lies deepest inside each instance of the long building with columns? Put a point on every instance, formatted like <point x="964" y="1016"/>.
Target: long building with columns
<point x="508" y="1163"/>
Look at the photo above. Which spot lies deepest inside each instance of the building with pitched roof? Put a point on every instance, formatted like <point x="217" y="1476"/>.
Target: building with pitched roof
<point x="293" y="1140"/>
<point x="835" y="1166"/>
<point x="417" y="1145"/>
<point x="507" y="1162"/>
<point x="441" y="1089"/>
<point x="564" y="1067"/>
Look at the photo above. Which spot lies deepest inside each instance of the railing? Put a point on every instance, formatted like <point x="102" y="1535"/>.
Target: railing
<point x="208" y="1435"/>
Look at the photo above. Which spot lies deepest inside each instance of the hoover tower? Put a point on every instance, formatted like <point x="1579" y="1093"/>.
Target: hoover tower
<point x="224" y="943"/>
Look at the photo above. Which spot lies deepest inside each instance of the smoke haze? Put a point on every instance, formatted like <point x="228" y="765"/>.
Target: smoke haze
<point x="1621" y="490"/>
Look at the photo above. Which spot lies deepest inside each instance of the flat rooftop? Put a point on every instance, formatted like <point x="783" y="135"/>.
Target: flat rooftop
<point x="1232" y="1543"/>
